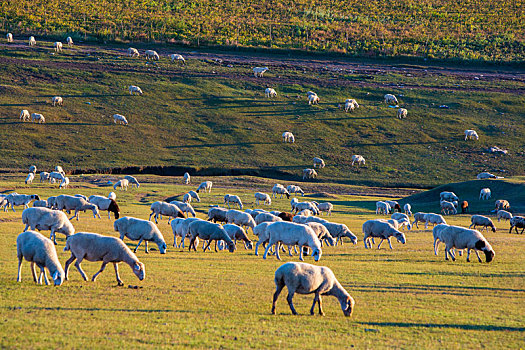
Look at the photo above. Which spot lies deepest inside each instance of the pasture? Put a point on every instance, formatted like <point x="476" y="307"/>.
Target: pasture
<point x="405" y="298"/>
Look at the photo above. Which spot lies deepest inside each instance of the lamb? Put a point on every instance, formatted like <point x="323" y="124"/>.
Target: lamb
<point x="132" y="180"/>
<point x="463" y="238"/>
<point x="195" y="196"/>
<point x="286" y="216"/>
<point x="29" y="179"/>
<point x="502" y="214"/>
<point x="448" y="196"/>
<point x="217" y="214"/>
<point x="318" y="162"/>
<point x="294" y="189"/>
<point x="407" y="209"/>
<point x="141" y="230"/>
<point x="269" y="92"/>
<point x="484" y="194"/>
<point x="464" y="207"/>
<point x="177" y="57"/>
<point x="186" y="178"/>
<point x="471" y="134"/>
<point x="447" y="208"/>
<point x="339" y="231"/>
<point x="95" y="247"/>
<point x="517" y="222"/>
<point x="359" y="159"/>
<point x="402" y="113"/>
<point x="233" y="199"/>
<point x="279" y="189"/>
<point x="164" y="208"/>
<point x="288" y="137"/>
<point x="133" y="52"/>
<point x="350" y="105"/>
<point x="326" y="207"/>
<point x="419" y="217"/>
<point x="64" y="183"/>
<point x="382" y="208"/>
<point x="306" y="279"/>
<point x="135" y="90"/>
<point x="13" y="199"/>
<point x="235" y="232"/>
<point x="104" y="203"/>
<point x="480" y="220"/>
<point x="209" y="231"/>
<point x="502" y="204"/>
<point x="383" y="230"/>
<point x="57" y="46"/>
<point x="391" y="100"/>
<point x="119" y="119"/>
<point x="266" y="217"/>
<point x="313" y="99"/>
<point x="151" y="54"/>
<point x="435" y="219"/>
<point x="184" y="207"/>
<point x="39" y="250"/>
<point x="40" y="204"/>
<point x="44" y="176"/>
<point x="122" y="184"/>
<point x="9" y="37"/>
<point x="47" y="219"/>
<point x="75" y="203"/>
<point x="309" y="173"/>
<point x="37" y="117"/>
<point x="485" y="175"/>
<point x="24" y="115"/>
<point x="259" y="196"/>
<point x="57" y="100"/>
<point x="206" y="186"/>
<point x="292" y="234"/>
<point x="240" y="218"/>
<point x="306" y="205"/>
<point x="69" y="41"/>
<point x="259" y="71"/>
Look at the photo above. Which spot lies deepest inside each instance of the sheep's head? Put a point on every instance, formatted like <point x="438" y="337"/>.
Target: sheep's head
<point x="486" y="248"/>
<point x="139" y="270"/>
<point x="287" y="195"/>
<point x="400" y="237"/>
<point x="162" y="247"/>
<point x="493" y="228"/>
<point x="249" y="244"/>
<point x="349" y="234"/>
<point x="316" y="254"/>
<point x="231" y="247"/>
<point x="58" y="277"/>
<point x="347" y="305"/>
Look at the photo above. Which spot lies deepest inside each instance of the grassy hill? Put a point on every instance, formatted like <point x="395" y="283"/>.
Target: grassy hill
<point x="213" y="117"/>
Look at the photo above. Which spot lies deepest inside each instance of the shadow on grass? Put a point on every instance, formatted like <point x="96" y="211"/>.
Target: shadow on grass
<point x="468" y="327"/>
<point x="222" y="145"/>
<point x="445" y="273"/>
<point x="429" y="288"/>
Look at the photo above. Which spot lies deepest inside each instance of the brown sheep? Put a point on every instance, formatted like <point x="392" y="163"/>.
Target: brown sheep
<point x="502" y="204"/>
<point x="286" y="216"/>
<point x="464" y="207"/>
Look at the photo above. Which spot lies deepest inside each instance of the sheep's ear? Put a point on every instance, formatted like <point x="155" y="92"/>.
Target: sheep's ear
<point x="137" y="266"/>
<point x="480" y="245"/>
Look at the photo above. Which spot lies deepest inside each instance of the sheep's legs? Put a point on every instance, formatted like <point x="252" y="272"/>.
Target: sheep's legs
<point x="436" y="245"/>
<point x="33" y="272"/>
<point x="317" y="299"/>
<point x="278" y="290"/>
<point x="137" y="247"/>
<point x="206" y="246"/>
<point x="19" y="276"/>
<point x="301" y="253"/>
<point x="475" y="251"/>
<point x="27" y="226"/>
<point x="43" y="272"/>
<point x="66" y="267"/>
<point x="53" y="236"/>
<point x="93" y="279"/>
<point x="119" y="281"/>
<point x="290" y="302"/>
<point x="379" y="245"/>
<point x="79" y="268"/>
<point x="389" y="243"/>
<point x="290" y="250"/>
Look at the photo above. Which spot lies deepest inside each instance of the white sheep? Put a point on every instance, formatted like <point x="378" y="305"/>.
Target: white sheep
<point x="64" y="183"/>
<point x="294" y="189"/>
<point x="338" y="231"/>
<point x="480" y="220"/>
<point x="497" y="150"/>
<point x="57" y="100"/>
<point x="13" y="199"/>
<point x="269" y="92"/>
<point x="60" y="170"/>
<point x="448" y="208"/>
<point x="104" y="203"/>
<point x="259" y="196"/>
<point x="119" y="119"/>
<point x="502" y="214"/>
<point x="463" y="238"/>
<point x="419" y="217"/>
<point x="305" y="212"/>
<point x="24" y="115"/>
<point x="37" y="117"/>
<point x="186" y="198"/>
<point x="51" y="201"/>
<point x="152" y="55"/>
<point x="195" y="196"/>
<point x="293" y="202"/>
<point x="9" y="37"/>
<point x="209" y="231"/>
<point x="32" y="169"/>
<point x="359" y="159"/>
<point x="484" y="194"/>
<point x="132" y="180"/>
<point x="32" y="41"/>
<point x="141" y="230"/>
<point x="448" y="196"/>
<point x="40" y="251"/>
<point x="217" y="214"/>
<point x="517" y="222"/>
<point x="326" y="207"/>
<point x="177" y="57"/>
<point x="299" y="206"/>
<point x="435" y="219"/>
<point x="29" y="179"/>
<point x="112" y="195"/>
<point x="184" y="207"/>
<point x="206" y="186"/>
<point x="68" y="203"/>
<point x="305" y="278"/>
<point x="230" y="198"/>
<point x="407" y="208"/>
<point x="122" y="184"/>
<point x="186" y="178"/>
<point x="47" y="219"/>
<point x="260" y="232"/>
<point x="259" y="71"/>
<point x="382" y="208"/>
<point x="351" y="105"/>
<point x="266" y="217"/>
<point x="69" y="41"/>
<point x="322" y="233"/>
<point x="167" y="209"/>
<point x="44" y="176"/>
<point x="313" y="99"/>
<point x="288" y="137"/>
<point x="502" y="204"/>
<point x="402" y="113"/>
<point x="57" y="46"/>
<point x="133" y="52"/>
<point x="381" y="229"/>
<point x="240" y="218"/>
<point x="94" y="247"/>
<point x="471" y="134"/>
<point x="309" y="173"/>
<point x="318" y="162"/>
<point x="291" y="234"/>
<point x="237" y="233"/>
<point x="279" y="189"/>
<point x="391" y="99"/>
<point x="40" y="203"/>
<point x="485" y="175"/>
<point x="181" y="227"/>
<point x="135" y="90"/>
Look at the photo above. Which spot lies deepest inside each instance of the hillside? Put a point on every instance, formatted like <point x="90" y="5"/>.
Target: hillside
<point x="211" y="115"/>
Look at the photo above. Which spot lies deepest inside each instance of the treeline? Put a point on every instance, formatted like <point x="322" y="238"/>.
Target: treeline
<point x="491" y="30"/>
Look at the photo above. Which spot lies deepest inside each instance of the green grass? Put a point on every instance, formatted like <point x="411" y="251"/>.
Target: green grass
<point x="405" y="298"/>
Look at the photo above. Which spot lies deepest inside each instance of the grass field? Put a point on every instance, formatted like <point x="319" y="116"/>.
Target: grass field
<point x="405" y="298"/>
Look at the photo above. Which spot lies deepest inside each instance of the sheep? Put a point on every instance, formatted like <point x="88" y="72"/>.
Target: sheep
<point x="269" y="92"/>
<point x="399" y="223"/>
<point x="305" y="278"/>
<point x="37" y="117"/>
<point x="407" y="208"/>
<point x="233" y="199"/>
<point x="47" y="219"/>
<point x="240" y="218"/>
<point x="174" y="224"/>
<point x="13" y="199"/>
<point x="463" y="238"/>
<point x="29" y="179"/>
<point x="322" y="233"/>
<point x="382" y="208"/>
<point x="44" y="176"/>
<point x="393" y="205"/>
<point x="112" y="195"/>
<point x="184" y="207"/>
<point x="40" y="251"/>
<point x="152" y="54"/>
<point x="485" y="175"/>
<point x="181" y="227"/>
<point x="235" y="232"/>
<point x="122" y="184"/>
<point x="259" y="196"/>
<point x="81" y="196"/>
<point x="186" y="178"/>
<point x="95" y="247"/>
<point x="448" y="196"/>
<point x="286" y="216"/>
<point x="141" y="230"/>
<point x="32" y="41"/>
<point x="480" y="220"/>
<point x="288" y="137"/>
<point x="24" y="115"/>
<point x="313" y="99"/>
<point x="59" y="170"/>
<point x="40" y="203"/>
<point x="119" y="119"/>
<point x="164" y="208"/>
<point x="484" y="194"/>
<point x="186" y="198"/>
<point x="299" y="206"/>
<point x="502" y="204"/>
<point x="177" y="57"/>
<point x="402" y="113"/>
<point x="206" y="186"/>
<point x="403" y="218"/>
<point x="293" y="202"/>
<point x="279" y="189"/>
<point x="9" y="37"/>
<point x="132" y="180"/>
<point x="294" y="189"/>
<point x="501" y="214"/>
<point x="471" y="134"/>
<point x="338" y="231"/>
<point x="383" y="230"/>
<point x="57" y="46"/>
<point x="359" y="159"/>
<point x="291" y="234"/>
<point x="517" y="222"/>
<point x="51" y="202"/>
<point x="104" y="203"/>
<point x="133" y="52"/>
<point x="135" y="89"/>
<point x="195" y="196"/>
<point x="464" y="207"/>
<point x="326" y="207"/>
<point x="309" y="173"/>
<point x="57" y="100"/>
<point x="64" y="183"/>
<point x="75" y="203"/>
<point x="318" y="162"/>
<point x="69" y="41"/>
<point x="261" y="233"/>
<point x="419" y="217"/>
<point x="447" y="208"/>
<point x="259" y="71"/>
<point x="391" y="99"/>
<point x="350" y="105"/>
<point x="209" y="231"/>
<point x="435" y="219"/>
<point x="300" y="219"/>
<point x="266" y="217"/>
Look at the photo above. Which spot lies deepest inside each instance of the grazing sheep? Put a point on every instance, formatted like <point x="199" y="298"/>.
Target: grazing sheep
<point x="259" y="196"/>
<point x="293" y="202"/>
<point x="480" y="220"/>
<point x="13" y="199"/>
<point x="381" y="229"/>
<point x="322" y="233"/>
<point x="206" y="186"/>
<point x="382" y="208"/>
<point x="517" y="222"/>
<point x="502" y="214"/>
<point x="434" y="219"/>
<point x="261" y="233"/>
<point x="69" y="41"/>
<point x="132" y="52"/>
<point x="326" y="207"/>
<point x="29" y="179"/>
<point x="294" y="189"/>
<point x="502" y="204"/>
<point x="471" y="134"/>
<point x="318" y="162"/>
<point x="9" y="37"/>
<point x="37" y="117"/>
<point x="300" y="206"/>
<point x="279" y="189"/>
<point x="305" y="278"/>
<point x="391" y="100"/>
<point x="120" y="119"/>
<point x="141" y="230"/>
<point x="286" y="216"/>
<point x="24" y="115"/>
<point x="237" y="233"/>
<point x="151" y="55"/>
<point x="305" y="212"/>
<point x="186" y="198"/>
<point x="135" y="90"/>
<point x="266" y="217"/>
<point x="132" y="180"/>
<point x="419" y="217"/>
<point x="313" y="99"/>
<point x="259" y="71"/>
<point x="233" y="199"/>
<point x="309" y="173"/>
<point x="291" y="234"/>
<point x="40" y="251"/>
<point x="209" y="231"/>
<point x="402" y="217"/>
<point x="447" y="208"/>
<point x="464" y="207"/>
<point x="195" y="196"/>
<point x="51" y="202"/>
<point x="338" y="231"/>
<point x="448" y="196"/>
<point x="95" y="247"/>
<point x="181" y="228"/>
<point x="112" y="195"/>
<point x="122" y="184"/>
<point x="104" y="203"/>
<point x="57" y="100"/>
<point x="484" y="194"/>
<point x="463" y="238"/>
<point x="407" y="208"/>
<point x="217" y="214"/>
<point x="288" y="137"/>
<point x="240" y="218"/>
<point x="47" y="219"/>
<point x="167" y="209"/>
<point x="64" y="183"/>
<point x="393" y="205"/>
<point x="40" y="204"/>
<point x="269" y="92"/>
<point x="186" y="178"/>
<point x="402" y="113"/>
<point x="350" y="105"/>
<point x="176" y="57"/>
<point x="184" y="207"/>
<point x="485" y="175"/>
<point x="57" y="46"/>
<point x="59" y="170"/>
<point x="68" y="203"/>
<point x="359" y="159"/>
<point x="44" y="176"/>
